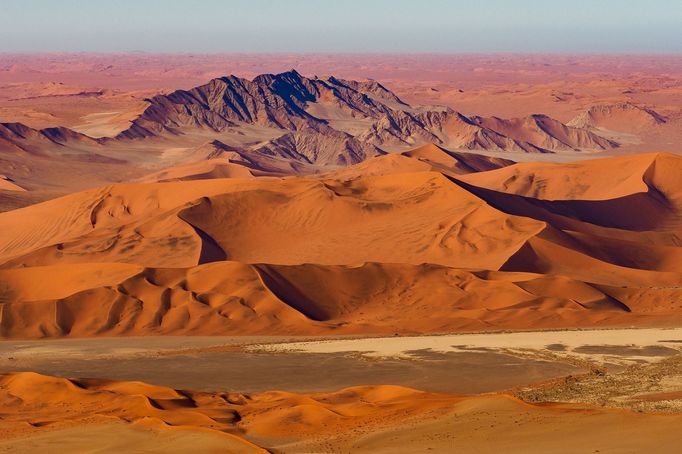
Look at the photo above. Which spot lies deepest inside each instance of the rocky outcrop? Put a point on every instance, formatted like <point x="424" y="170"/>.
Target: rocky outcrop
<point x="619" y="116"/>
<point x="546" y="133"/>
<point x="320" y="145"/>
<point x="17" y="137"/>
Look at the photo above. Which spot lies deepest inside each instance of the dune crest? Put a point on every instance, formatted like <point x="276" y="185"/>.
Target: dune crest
<point x="420" y="242"/>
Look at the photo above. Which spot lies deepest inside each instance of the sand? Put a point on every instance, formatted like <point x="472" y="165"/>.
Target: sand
<point x="569" y="340"/>
<point x="114" y="437"/>
<point x="499" y="246"/>
<point x="216" y="276"/>
<point x="364" y="419"/>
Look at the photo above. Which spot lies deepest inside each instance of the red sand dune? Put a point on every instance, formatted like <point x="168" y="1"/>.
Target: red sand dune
<point x="248" y="179"/>
<point x="40" y="410"/>
<point x="458" y="241"/>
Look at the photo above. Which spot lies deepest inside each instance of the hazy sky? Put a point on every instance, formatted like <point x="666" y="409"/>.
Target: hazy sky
<point x="341" y="25"/>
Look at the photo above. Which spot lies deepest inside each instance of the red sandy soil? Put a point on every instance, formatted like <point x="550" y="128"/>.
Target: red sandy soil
<point x="39" y="410"/>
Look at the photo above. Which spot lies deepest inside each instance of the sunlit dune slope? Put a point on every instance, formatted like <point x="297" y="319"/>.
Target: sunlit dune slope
<point x="234" y="298"/>
<point x="424" y="241"/>
<point x="41" y="411"/>
<point x="407" y="218"/>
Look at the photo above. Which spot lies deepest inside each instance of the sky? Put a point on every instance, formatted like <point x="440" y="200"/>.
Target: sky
<point x="349" y="26"/>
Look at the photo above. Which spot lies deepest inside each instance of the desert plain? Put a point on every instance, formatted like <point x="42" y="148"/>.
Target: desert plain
<point x="340" y="253"/>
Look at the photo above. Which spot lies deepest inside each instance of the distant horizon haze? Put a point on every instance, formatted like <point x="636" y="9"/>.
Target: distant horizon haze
<point x="351" y="26"/>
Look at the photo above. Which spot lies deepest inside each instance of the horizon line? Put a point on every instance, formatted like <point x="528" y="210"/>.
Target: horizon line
<point x="435" y="53"/>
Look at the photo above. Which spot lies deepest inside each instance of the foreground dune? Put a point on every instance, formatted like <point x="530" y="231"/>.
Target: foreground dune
<point x="39" y="411"/>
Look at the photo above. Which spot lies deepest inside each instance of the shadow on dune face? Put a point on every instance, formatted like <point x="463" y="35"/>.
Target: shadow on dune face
<point x="210" y="249"/>
<point x="292" y="295"/>
<point x="653" y="210"/>
<point x="405" y="251"/>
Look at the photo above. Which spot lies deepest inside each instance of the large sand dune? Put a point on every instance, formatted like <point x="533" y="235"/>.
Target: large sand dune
<point x="426" y="241"/>
<point x="233" y="298"/>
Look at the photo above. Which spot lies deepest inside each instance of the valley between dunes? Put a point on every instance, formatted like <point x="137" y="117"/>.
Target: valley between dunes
<point x="304" y="264"/>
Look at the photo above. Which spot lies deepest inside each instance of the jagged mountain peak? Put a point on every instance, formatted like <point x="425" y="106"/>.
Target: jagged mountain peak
<point x="295" y="103"/>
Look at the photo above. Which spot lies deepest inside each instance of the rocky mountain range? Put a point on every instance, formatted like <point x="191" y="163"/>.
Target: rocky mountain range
<point x="327" y="121"/>
<point x="279" y="124"/>
<point x="311" y="110"/>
